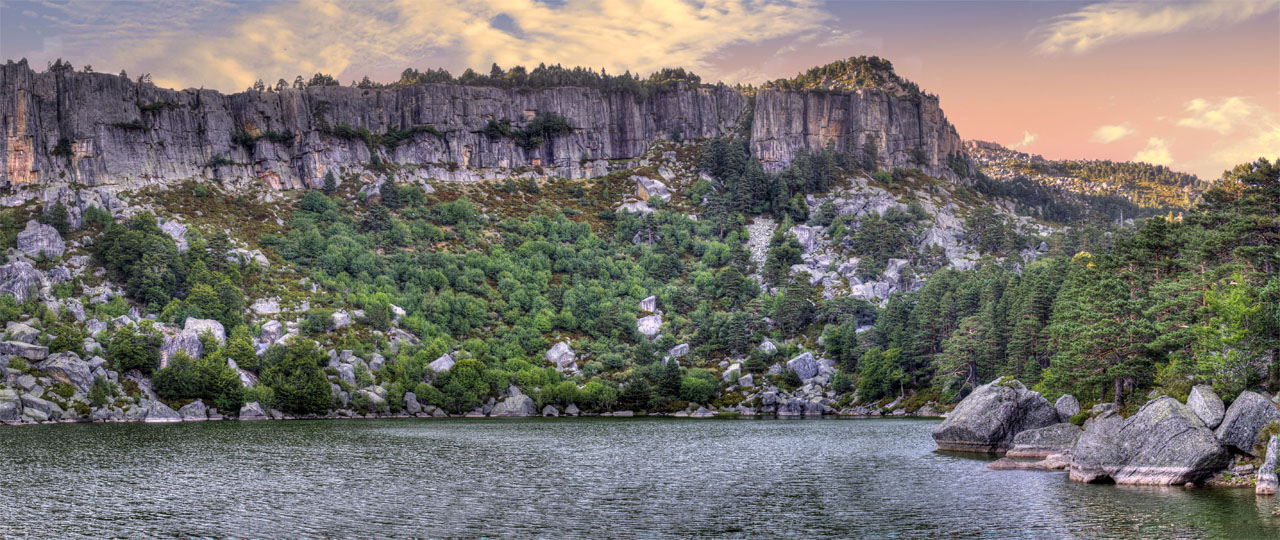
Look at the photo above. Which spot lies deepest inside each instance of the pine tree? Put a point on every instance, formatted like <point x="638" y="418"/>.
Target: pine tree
<point x="330" y="183"/>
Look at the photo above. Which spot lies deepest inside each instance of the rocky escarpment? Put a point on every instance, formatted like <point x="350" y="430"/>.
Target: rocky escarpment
<point x="93" y="129"/>
<point x="906" y="130"/>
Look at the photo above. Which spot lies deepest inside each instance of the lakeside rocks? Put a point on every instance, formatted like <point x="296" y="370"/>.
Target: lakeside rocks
<point x="1044" y="442"/>
<point x="1207" y="405"/>
<point x="1267" y="480"/>
<point x="1165" y="443"/>
<point x="1244" y="419"/>
<point x="989" y="418"/>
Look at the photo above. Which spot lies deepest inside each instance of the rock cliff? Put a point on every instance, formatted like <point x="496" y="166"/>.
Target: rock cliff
<point x="96" y="129"/>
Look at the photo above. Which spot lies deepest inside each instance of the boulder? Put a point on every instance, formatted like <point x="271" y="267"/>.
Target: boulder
<point x="1244" y="419"/>
<point x="989" y="418"/>
<point x="804" y="365"/>
<point x="33" y="402"/>
<point x="271" y="331"/>
<point x="159" y="412"/>
<point x="200" y="326"/>
<point x="679" y="350"/>
<point x="252" y="411"/>
<point x="196" y="410"/>
<point x="20" y="279"/>
<point x="746" y="381"/>
<point x="411" y="404"/>
<point x="347" y="372"/>
<point x="25" y="350"/>
<point x="649" y="304"/>
<point x="341" y="319"/>
<point x="767" y="347"/>
<point x="187" y="342"/>
<point x="550" y="411"/>
<point x="518" y="405"/>
<point x="266" y="306"/>
<point x="1267" y="480"/>
<point x="572" y="410"/>
<point x="562" y="355"/>
<point x="67" y="367"/>
<point x="21" y="332"/>
<point x="1045" y="441"/>
<point x="733" y="373"/>
<point x="442" y="364"/>
<point x="177" y="231"/>
<point x="650" y="325"/>
<point x="1067" y="406"/>
<point x="1207" y="405"/>
<point x="1165" y="443"/>
<point x="38" y="238"/>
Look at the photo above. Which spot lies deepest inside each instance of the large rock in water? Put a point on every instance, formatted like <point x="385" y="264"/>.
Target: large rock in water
<point x="989" y="418"/>
<point x="1164" y="444"/>
<point x="1044" y="442"/>
<point x="37" y="239"/>
<point x="1207" y="405"/>
<point x="1246" y="417"/>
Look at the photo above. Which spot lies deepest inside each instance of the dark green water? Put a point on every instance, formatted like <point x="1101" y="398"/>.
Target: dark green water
<point x="584" y="478"/>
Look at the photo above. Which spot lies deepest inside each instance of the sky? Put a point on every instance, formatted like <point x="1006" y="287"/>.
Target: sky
<point x="1193" y="85"/>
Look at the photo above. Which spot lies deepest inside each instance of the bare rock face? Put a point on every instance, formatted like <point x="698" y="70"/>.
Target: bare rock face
<point x="1164" y="444"/>
<point x="901" y="127"/>
<point x="989" y="418"/>
<point x="127" y="134"/>
<point x="1044" y="442"/>
<point x="37" y="239"/>
<point x="1245" y="418"/>
<point x="1207" y="405"/>
<point x="650" y="326"/>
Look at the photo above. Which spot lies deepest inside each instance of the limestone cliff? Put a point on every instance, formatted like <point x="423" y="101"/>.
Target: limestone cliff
<point x="95" y="129"/>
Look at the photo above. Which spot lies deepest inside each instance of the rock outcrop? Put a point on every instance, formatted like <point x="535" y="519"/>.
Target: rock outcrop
<point x="1067" y="406"/>
<point x="1165" y="443"/>
<point x="989" y="418"/>
<point x="67" y="367"/>
<point x="1244" y="419"/>
<point x="95" y="129"/>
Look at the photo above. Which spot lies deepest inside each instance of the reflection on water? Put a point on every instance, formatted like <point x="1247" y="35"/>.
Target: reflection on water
<point x="647" y="478"/>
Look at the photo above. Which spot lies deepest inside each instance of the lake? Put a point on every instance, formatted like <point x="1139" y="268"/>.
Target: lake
<point x="567" y="477"/>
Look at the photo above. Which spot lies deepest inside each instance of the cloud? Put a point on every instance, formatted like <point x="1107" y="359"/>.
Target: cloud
<point x="231" y="46"/>
<point x="1222" y="117"/>
<point x="1110" y="134"/>
<point x="1099" y="24"/>
<point x="1027" y="138"/>
<point x="1156" y="153"/>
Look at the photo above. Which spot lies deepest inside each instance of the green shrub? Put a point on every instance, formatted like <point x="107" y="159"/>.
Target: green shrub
<point x="64" y="390"/>
<point x="133" y="348"/>
<point x="298" y="384"/>
<point x="261" y="394"/>
<point x="66" y="338"/>
<point x="317" y="321"/>
<point x="17" y="364"/>
<point x="101" y="392"/>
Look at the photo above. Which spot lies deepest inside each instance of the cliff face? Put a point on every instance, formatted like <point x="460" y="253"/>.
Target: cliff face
<point x="786" y="121"/>
<point x="122" y="133"/>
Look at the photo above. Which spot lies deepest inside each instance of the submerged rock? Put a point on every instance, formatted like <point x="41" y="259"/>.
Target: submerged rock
<point x="1244" y="419"/>
<point x="989" y="418"/>
<point x="1164" y="444"/>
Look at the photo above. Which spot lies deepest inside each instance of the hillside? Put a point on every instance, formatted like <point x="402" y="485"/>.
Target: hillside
<point x="1148" y="187"/>
<point x="796" y="267"/>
